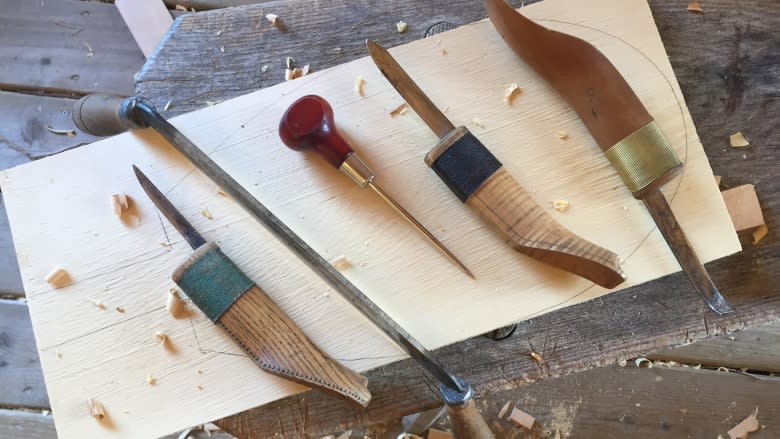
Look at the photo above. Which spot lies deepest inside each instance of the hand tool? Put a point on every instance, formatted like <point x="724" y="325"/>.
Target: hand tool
<point x="618" y="121"/>
<point x="233" y="302"/>
<point x="308" y="124"/>
<point x="478" y="179"/>
<point x="102" y="113"/>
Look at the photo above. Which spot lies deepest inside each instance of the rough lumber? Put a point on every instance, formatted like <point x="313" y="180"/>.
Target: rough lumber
<point x="10" y="278"/>
<point x="20" y="370"/>
<point x="46" y="46"/>
<point x="756" y="349"/>
<point x="148" y="21"/>
<point x="27" y="425"/>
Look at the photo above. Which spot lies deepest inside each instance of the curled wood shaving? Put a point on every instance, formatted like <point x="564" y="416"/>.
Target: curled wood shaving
<point x="744" y="428"/>
<point x="737" y="140"/>
<point x="120" y="310"/>
<point x="296" y="73"/>
<point x="563" y="135"/>
<point x="511" y="92"/>
<point x="98" y="304"/>
<point x="272" y="18"/>
<point x="206" y="214"/>
<point x="694" y="7"/>
<point x="536" y="357"/>
<point x="561" y="205"/>
<point x="96" y="409"/>
<point x="401" y="109"/>
<point x="176" y="306"/>
<point x="121" y="203"/>
<point x="150" y="379"/>
<point x="522" y="419"/>
<point x="58" y="277"/>
<point x="167" y="106"/>
<point x="341" y="263"/>
<point x="504" y="409"/>
<point x="67" y="132"/>
<point x="401" y="26"/>
<point x="759" y="233"/>
<point x="90" y="50"/>
<point x="359" y="85"/>
<point x="181" y="8"/>
<point x="643" y="362"/>
<point x="221" y="192"/>
<point x="160" y="337"/>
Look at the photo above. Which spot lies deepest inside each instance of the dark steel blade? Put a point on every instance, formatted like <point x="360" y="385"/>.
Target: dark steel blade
<point x="670" y="229"/>
<point x="428" y="112"/>
<point x="174" y="216"/>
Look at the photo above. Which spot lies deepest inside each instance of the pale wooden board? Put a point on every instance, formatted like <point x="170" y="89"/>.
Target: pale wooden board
<point x="63" y="217"/>
<point x="148" y="20"/>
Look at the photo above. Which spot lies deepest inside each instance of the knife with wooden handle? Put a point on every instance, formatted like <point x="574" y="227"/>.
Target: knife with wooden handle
<point x="614" y="115"/>
<point x="480" y="181"/>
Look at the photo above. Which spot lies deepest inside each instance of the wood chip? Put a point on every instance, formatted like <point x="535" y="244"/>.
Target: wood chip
<point x="563" y="135"/>
<point x="438" y="434"/>
<point x="759" y="233"/>
<point x="743" y="207"/>
<point x="737" y="140"/>
<point x="264" y="68"/>
<point x="221" y="192"/>
<point x="181" y="8"/>
<point x="272" y="18"/>
<point x="401" y="26"/>
<point x="206" y="214"/>
<point x="150" y="379"/>
<point x="58" y="278"/>
<point x="477" y="122"/>
<point x="744" y="428"/>
<point x="536" y="357"/>
<point x="90" y="50"/>
<point x="561" y="205"/>
<point x="511" y="92"/>
<point x="694" y="7"/>
<point x="504" y="409"/>
<point x="359" y="85"/>
<point x="96" y="409"/>
<point x="160" y="337"/>
<point x="341" y="263"/>
<point x="120" y="310"/>
<point x="66" y="132"/>
<point x="643" y="362"/>
<point x="521" y="419"/>
<point x="98" y="304"/>
<point x="167" y="106"/>
<point x="175" y="305"/>
<point x="120" y="202"/>
<point x="401" y="109"/>
<point x="296" y="73"/>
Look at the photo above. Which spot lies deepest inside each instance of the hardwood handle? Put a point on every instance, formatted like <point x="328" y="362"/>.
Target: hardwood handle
<point x="467" y="422"/>
<point x="99" y="114"/>
<point x="480" y="181"/>
<point x="275" y="343"/>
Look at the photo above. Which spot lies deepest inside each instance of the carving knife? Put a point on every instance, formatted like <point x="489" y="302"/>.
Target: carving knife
<point x="618" y="121"/>
<point x="233" y="302"/>
<point x="480" y="181"/>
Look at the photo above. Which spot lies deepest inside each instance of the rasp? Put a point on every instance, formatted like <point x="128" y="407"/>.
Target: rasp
<point x="480" y="181"/>
<point x="620" y="124"/>
<point x="236" y="304"/>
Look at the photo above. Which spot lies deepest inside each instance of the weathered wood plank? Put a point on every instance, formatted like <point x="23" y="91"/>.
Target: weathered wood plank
<point x="754" y="348"/>
<point x="21" y="377"/>
<point x="46" y="46"/>
<point x="10" y="278"/>
<point x="27" y="425"/>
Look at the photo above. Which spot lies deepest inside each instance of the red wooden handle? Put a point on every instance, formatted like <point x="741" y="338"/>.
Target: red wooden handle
<point x="308" y="124"/>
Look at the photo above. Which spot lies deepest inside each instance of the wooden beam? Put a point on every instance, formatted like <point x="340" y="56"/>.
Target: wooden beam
<point x="20" y="370"/>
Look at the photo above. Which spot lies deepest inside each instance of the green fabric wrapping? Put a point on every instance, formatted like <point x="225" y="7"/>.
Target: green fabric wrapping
<point x="212" y="281"/>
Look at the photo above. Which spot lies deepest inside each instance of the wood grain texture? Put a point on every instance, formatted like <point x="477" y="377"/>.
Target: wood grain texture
<point x="757" y="349"/>
<point x="467" y="422"/>
<point x="20" y="370"/>
<point x="47" y="47"/>
<point x="147" y="20"/>
<point x="279" y="347"/>
<point x="514" y="288"/>
<point x="27" y="425"/>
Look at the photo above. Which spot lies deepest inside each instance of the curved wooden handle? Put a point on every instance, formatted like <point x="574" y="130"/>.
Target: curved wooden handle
<point x="280" y="347"/>
<point x="98" y="114"/>
<point x="467" y="422"/>
<point x="480" y="181"/>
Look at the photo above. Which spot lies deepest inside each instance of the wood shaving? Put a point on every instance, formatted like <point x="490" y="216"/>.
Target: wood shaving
<point x="164" y="244"/>
<point x="477" y="122"/>
<point x="219" y="32"/>
<point x="120" y="310"/>
<point x="694" y="7"/>
<point x="359" y="85"/>
<point x="401" y="109"/>
<point x="737" y="140"/>
<point x="211" y="103"/>
<point x="222" y="49"/>
<point x="522" y="419"/>
<point x="58" y="354"/>
<point x="401" y="26"/>
<point x="264" y="68"/>
<point x="177" y="308"/>
<point x="150" y="379"/>
<point x="504" y="409"/>
<point x="199" y="387"/>
<point x="723" y="369"/>
<point x="561" y="205"/>
<point x="181" y="8"/>
<point x="160" y="337"/>
<point x="717" y="179"/>
<point x="744" y="428"/>
<point x="273" y="19"/>
<point x="206" y="214"/>
<point x="58" y="277"/>
<point x="643" y="362"/>
<point x="445" y="109"/>
<point x="90" y="50"/>
<point x="121" y="203"/>
<point x="341" y="263"/>
<point x="536" y="357"/>
<point x="759" y="233"/>
<point x="296" y="73"/>
<point x="511" y="92"/>
<point x="221" y="192"/>
<point x="96" y="409"/>
<point x="98" y="304"/>
<point x="563" y="135"/>
<point x="67" y="132"/>
<point x="167" y="106"/>
<point x="438" y="434"/>
<point x="623" y="363"/>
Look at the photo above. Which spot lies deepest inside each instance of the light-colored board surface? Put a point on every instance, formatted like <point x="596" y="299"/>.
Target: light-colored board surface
<point x="21" y="379"/>
<point x="148" y="20"/>
<point x="105" y="354"/>
<point x="743" y="207"/>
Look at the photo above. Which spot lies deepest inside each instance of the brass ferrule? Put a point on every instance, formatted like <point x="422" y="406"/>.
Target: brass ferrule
<point x="358" y="171"/>
<point x="643" y="157"/>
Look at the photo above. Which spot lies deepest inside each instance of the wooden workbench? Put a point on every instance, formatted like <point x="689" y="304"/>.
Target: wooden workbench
<point x="726" y="63"/>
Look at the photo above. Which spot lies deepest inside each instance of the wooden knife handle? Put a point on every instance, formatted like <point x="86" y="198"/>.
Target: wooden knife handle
<point x="480" y="181"/>
<point x="467" y="422"/>
<point x="262" y="330"/>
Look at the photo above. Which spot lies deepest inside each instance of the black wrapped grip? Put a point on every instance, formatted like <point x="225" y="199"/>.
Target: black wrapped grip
<point x="465" y="165"/>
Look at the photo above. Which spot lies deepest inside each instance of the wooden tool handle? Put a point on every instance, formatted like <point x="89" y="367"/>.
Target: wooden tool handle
<point x="480" y="181"/>
<point x="98" y="114"/>
<point x="467" y="422"/>
<point x="260" y="327"/>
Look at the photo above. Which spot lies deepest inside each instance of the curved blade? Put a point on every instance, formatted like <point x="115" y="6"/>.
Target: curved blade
<point x="578" y="71"/>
